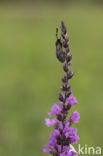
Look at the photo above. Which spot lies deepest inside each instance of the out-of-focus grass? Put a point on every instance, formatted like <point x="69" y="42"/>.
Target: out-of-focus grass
<point x="30" y="73"/>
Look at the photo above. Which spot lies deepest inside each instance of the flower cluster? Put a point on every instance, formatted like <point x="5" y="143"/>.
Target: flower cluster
<point x="64" y="134"/>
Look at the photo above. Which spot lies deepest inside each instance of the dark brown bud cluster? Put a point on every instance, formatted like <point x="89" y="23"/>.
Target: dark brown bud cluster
<point x="69" y="74"/>
<point x="61" y="97"/>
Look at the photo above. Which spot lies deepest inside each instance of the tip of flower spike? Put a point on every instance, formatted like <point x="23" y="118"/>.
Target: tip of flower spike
<point x="63" y="27"/>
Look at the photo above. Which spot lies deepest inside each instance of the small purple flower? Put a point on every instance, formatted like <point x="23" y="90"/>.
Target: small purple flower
<point x="70" y="132"/>
<point x="46" y="150"/>
<point x="56" y="133"/>
<point x="61" y="104"/>
<point x="74" y="139"/>
<point x="56" y="110"/>
<point x="69" y="151"/>
<point x="52" y="142"/>
<point x="66" y="128"/>
<point x="53" y="139"/>
<point x="72" y="100"/>
<point x="52" y="122"/>
<point x="75" y="117"/>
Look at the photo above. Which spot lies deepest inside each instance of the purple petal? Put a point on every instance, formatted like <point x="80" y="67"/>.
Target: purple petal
<point x="46" y="150"/>
<point x="61" y="103"/>
<point x="56" y="109"/>
<point x="72" y="100"/>
<point x="48" y="122"/>
<point x="75" y="117"/>
<point x="50" y="114"/>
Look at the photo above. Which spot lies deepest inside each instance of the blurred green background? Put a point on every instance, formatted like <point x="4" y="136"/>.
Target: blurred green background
<point x="30" y="74"/>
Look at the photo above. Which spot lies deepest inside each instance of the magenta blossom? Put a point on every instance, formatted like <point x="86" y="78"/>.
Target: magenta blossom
<point x="46" y="150"/>
<point x="71" y="133"/>
<point x="56" y="110"/>
<point x="68" y="151"/>
<point x="52" y="122"/>
<point x="75" y="117"/>
<point x="61" y="103"/>
<point x="72" y="100"/>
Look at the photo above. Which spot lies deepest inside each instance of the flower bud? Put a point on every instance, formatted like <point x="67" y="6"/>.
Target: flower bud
<point x="64" y="79"/>
<point x="67" y="49"/>
<point x="65" y="44"/>
<point x="68" y="93"/>
<point x="65" y="67"/>
<point x="68" y="58"/>
<point x="59" y="117"/>
<point x="65" y="87"/>
<point x="63" y="27"/>
<point x="70" y="75"/>
<point x="63" y="36"/>
<point x="68" y="106"/>
<point x="61" y="97"/>
<point x="66" y="38"/>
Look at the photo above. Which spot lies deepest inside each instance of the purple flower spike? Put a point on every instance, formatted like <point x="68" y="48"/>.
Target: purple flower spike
<point x="63" y="134"/>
